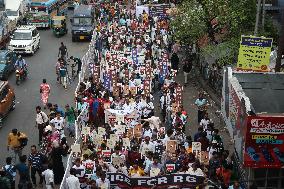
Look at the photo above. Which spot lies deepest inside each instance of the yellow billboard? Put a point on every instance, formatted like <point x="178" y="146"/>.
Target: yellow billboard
<point x="254" y="53"/>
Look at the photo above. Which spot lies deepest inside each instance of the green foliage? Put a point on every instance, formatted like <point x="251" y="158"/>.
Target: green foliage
<point x="189" y="25"/>
<point x="193" y="22"/>
<point x="224" y="53"/>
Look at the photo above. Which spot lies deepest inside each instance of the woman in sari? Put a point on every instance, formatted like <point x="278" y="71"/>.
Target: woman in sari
<point x="44" y="90"/>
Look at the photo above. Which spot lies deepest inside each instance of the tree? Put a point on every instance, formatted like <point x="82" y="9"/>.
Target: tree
<point x="199" y="18"/>
<point x="195" y="16"/>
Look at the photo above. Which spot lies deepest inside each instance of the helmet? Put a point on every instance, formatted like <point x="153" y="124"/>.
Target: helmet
<point x="19" y="56"/>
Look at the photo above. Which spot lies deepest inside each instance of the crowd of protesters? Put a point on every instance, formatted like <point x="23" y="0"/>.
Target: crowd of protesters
<point x="123" y="132"/>
<point x="120" y="129"/>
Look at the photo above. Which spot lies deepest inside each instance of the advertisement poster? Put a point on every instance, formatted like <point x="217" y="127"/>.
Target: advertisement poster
<point x="119" y="180"/>
<point x="254" y="53"/>
<point x="264" y="142"/>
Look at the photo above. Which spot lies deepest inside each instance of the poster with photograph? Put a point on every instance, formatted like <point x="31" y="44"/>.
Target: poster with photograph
<point x="138" y="131"/>
<point x="111" y="143"/>
<point x="171" y="146"/>
<point x="126" y="142"/>
<point x="101" y="131"/>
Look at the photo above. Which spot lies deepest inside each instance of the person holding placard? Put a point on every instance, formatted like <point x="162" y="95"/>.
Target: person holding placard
<point x="146" y="146"/>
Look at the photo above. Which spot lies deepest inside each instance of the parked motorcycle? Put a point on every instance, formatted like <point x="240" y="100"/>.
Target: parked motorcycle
<point x="21" y="75"/>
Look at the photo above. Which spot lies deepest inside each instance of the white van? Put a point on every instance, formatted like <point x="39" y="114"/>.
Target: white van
<point x="25" y="40"/>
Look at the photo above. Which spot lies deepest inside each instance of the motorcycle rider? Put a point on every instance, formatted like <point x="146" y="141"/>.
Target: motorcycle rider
<point x="22" y="65"/>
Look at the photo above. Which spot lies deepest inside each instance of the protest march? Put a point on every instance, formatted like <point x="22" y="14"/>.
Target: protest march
<point x="131" y="131"/>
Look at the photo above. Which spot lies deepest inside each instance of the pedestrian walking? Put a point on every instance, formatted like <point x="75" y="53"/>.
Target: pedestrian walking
<point x="63" y="75"/>
<point x="35" y="162"/>
<point x="16" y="142"/>
<point x="57" y="68"/>
<point x="201" y="104"/>
<point x="175" y="61"/>
<point x="77" y="62"/>
<point x="10" y="171"/>
<point x="57" y="164"/>
<point x="186" y="70"/>
<point x="44" y="91"/>
<point x="58" y="123"/>
<point x="63" y="52"/>
<point x="70" y="117"/>
<point x="72" y="181"/>
<point x="48" y="177"/>
<point x="24" y="172"/>
<point x="41" y="122"/>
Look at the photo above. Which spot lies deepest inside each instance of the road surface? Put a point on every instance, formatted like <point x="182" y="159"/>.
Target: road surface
<point x="41" y="65"/>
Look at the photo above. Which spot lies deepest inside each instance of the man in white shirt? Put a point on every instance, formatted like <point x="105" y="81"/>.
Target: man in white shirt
<point x="58" y="122"/>
<point x="205" y="122"/>
<point x="193" y="170"/>
<point x="127" y="106"/>
<point x="146" y="146"/>
<point x="117" y="154"/>
<point x="41" y="122"/>
<point x="72" y="181"/>
<point x="48" y="177"/>
<point x="154" y="122"/>
<point x="103" y="182"/>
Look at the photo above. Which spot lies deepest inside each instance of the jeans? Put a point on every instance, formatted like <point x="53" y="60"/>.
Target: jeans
<point x="17" y="153"/>
<point x="71" y="128"/>
<point x="33" y="175"/>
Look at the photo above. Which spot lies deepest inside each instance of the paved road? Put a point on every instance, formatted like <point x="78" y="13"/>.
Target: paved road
<point x="41" y="65"/>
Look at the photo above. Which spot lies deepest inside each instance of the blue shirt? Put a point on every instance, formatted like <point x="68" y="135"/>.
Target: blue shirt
<point x="20" y="63"/>
<point x="61" y="111"/>
<point x="200" y="102"/>
<point x="62" y="72"/>
<point x="122" y="22"/>
<point x="23" y="170"/>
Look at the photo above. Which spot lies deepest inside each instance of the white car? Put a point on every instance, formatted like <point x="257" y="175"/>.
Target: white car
<point x="25" y="40"/>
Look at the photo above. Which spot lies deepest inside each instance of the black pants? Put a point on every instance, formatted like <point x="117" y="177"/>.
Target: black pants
<point x="40" y="131"/>
<point x="200" y="115"/>
<point x="33" y="175"/>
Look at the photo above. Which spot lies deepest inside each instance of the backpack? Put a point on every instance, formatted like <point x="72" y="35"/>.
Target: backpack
<point x="23" y="141"/>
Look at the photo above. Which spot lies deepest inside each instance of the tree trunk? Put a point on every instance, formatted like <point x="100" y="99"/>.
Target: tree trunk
<point x="280" y="45"/>
<point x="257" y="17"/>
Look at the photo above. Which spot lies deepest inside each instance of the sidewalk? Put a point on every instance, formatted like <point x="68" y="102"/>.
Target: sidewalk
<point x="190" y="94"/>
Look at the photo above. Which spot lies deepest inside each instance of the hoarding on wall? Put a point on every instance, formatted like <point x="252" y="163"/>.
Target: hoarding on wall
<point x="237" y="119"/>
<point x="254" y="53"/>
<point x="264" y="146"/>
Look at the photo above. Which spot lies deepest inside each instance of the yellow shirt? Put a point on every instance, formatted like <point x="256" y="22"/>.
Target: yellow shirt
<point x="139" y="172"/>
<point x="13" y="140"/>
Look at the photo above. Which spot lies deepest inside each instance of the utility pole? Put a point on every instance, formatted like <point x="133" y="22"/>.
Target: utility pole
<point x="263" y="14"/>
<point x="280" y="49"/>
<point x="257" y="17"/>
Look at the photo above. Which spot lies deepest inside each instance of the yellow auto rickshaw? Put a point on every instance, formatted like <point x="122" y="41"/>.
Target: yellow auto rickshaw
<point x="58" y="24"/>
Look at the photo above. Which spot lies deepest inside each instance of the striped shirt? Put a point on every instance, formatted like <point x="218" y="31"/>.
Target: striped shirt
<point x="36" y="160"/>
